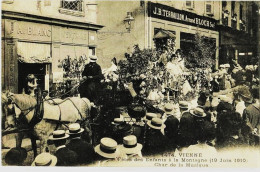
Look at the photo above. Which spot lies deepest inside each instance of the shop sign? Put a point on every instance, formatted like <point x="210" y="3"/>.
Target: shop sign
<point x="28" y="30"/>
<point x="70" y="35"/>
<point x="164" y="12"/>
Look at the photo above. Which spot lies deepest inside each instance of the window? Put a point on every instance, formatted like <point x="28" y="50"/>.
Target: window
<point x="189" y="4"/>
<point x="241" y="12"/>
<point x="75" y="5"/>
<point x="209" y="8"/>
<point x="233" y="5"/>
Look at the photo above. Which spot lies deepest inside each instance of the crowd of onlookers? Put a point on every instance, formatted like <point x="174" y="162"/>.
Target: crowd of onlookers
<point x="226" y="116"/>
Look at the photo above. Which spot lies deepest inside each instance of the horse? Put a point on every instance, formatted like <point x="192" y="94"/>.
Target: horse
<point x="42" y="118"/>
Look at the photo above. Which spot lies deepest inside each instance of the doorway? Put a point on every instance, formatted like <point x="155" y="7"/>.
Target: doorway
<point x="39" y="71"/>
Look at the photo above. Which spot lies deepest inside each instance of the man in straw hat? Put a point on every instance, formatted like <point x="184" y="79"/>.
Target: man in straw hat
<point x="84" y="150"/>
<point x="188" y="125"/>
<point x="155" y="139"/>
<point x="130" y="148"/>
<point x="92" y="76"/>
<point x="106" y="151"/>
<point x="65" y="156"/>
<point x="45" y="159"/>
<point x="172" y="123"/>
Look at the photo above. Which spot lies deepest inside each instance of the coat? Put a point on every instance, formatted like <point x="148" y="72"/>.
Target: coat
<point x="90" y="87"/>
<point x="84" y="150"/>
<point x="171" y="130"/>
<point x="66" y="157"/>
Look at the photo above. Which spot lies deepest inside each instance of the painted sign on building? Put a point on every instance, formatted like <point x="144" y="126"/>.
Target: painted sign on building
<point x="164" y="12"/>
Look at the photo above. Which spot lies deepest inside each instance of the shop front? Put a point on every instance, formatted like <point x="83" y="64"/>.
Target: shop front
<point x="39" y="49"/>
<point x="236" y="46"/>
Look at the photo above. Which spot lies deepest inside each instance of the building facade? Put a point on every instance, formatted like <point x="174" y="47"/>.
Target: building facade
<point x="238" y="30"/>
<point x="38" y="35"/>
<point x="182" y="18"/>
<point x="211" y="19"/>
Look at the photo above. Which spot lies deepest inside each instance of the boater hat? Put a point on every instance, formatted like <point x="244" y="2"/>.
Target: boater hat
<point x="45" y="159"/>
<point x="107" y="148"/>
<point x="150" y="116"/>
<point x="58" y="135"/>
<point x="118" y="121"/>
<point x="198" y="112"/>
<point x="130" y="145"/>
<point x="156" y="123"/>
<point x="183" y="105"/>
<point x="74" y="129"/>
<point x="93" y="58"/>
<point x="169" y="108"/>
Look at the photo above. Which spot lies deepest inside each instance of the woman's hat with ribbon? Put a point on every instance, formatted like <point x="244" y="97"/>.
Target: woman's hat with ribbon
<point x="45" y="159"/>
<point x="156" y="123"/>
<point x="130" y="145"/>
<point x="107" y="148"/>
<point x="74" y="129"/>
<point x="58" y="135"/>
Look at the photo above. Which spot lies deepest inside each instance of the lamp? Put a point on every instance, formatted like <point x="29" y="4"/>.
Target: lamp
<point x="128" y="21"/>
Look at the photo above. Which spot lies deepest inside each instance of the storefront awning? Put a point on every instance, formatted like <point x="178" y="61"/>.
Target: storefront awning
<point x="164" y="34"/>
<point x="33" y="52"/>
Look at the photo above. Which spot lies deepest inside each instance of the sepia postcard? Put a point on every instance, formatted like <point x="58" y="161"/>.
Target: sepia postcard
<point x="130" y="83"/>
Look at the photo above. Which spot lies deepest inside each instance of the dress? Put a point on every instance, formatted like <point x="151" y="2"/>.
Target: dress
<point x="90" y="88"/>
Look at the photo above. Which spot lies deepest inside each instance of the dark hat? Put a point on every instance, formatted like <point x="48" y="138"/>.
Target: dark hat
<point x="15" y="156"/>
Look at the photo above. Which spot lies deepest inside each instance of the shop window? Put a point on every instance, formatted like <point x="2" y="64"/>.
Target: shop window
<point x="75" y="5"/>
<point x="189" y="5"/>
<point x="92" y="51"/>
<point x="209" y="7"/>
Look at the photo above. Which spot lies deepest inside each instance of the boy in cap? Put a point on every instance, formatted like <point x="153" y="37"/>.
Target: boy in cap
<point x="84" y="150"/>
<point x="65" y="156"/>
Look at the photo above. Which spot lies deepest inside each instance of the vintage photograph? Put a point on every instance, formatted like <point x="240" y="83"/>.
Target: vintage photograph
<point x="130" y="83"/>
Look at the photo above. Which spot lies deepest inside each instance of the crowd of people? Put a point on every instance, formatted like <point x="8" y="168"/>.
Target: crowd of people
<point x="225" y="116"/>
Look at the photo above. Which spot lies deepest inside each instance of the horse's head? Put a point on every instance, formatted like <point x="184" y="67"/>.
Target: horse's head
<point x="13" y="106"/>
<point x="8" y="111"/>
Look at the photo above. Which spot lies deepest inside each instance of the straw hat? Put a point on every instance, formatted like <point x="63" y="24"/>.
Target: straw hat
<point x="118" y="121"/>
<point x="169" y="108"/>
<point x="150" y="116"/>
<point x="74" y="129"/>
<point x="58" y="135"/>
<point x="183" y="105"/>
<point x="198" y="112"/>
<point x="45" y="159"/>
<point x="107" y="148"/>
<point x="156" y="123"/>
<point x="93" y="58"/>
<point x="130" y="145"/>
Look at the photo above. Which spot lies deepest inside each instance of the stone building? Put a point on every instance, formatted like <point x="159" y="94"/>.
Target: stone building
<point x="38" y="34"/>
<point x="212" y="19"/>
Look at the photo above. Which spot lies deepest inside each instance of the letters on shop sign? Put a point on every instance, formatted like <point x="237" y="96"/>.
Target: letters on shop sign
<point x="168" y="13"/>
<point x="34" y="31"/>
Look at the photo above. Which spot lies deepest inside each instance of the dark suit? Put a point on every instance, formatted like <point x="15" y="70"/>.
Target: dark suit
<point x="84" y="150"/>
<point x="66" y="157"/>
<point x="90" y="87"/>
<point x="155" y="142"/>
<point x="171" y="130"/>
